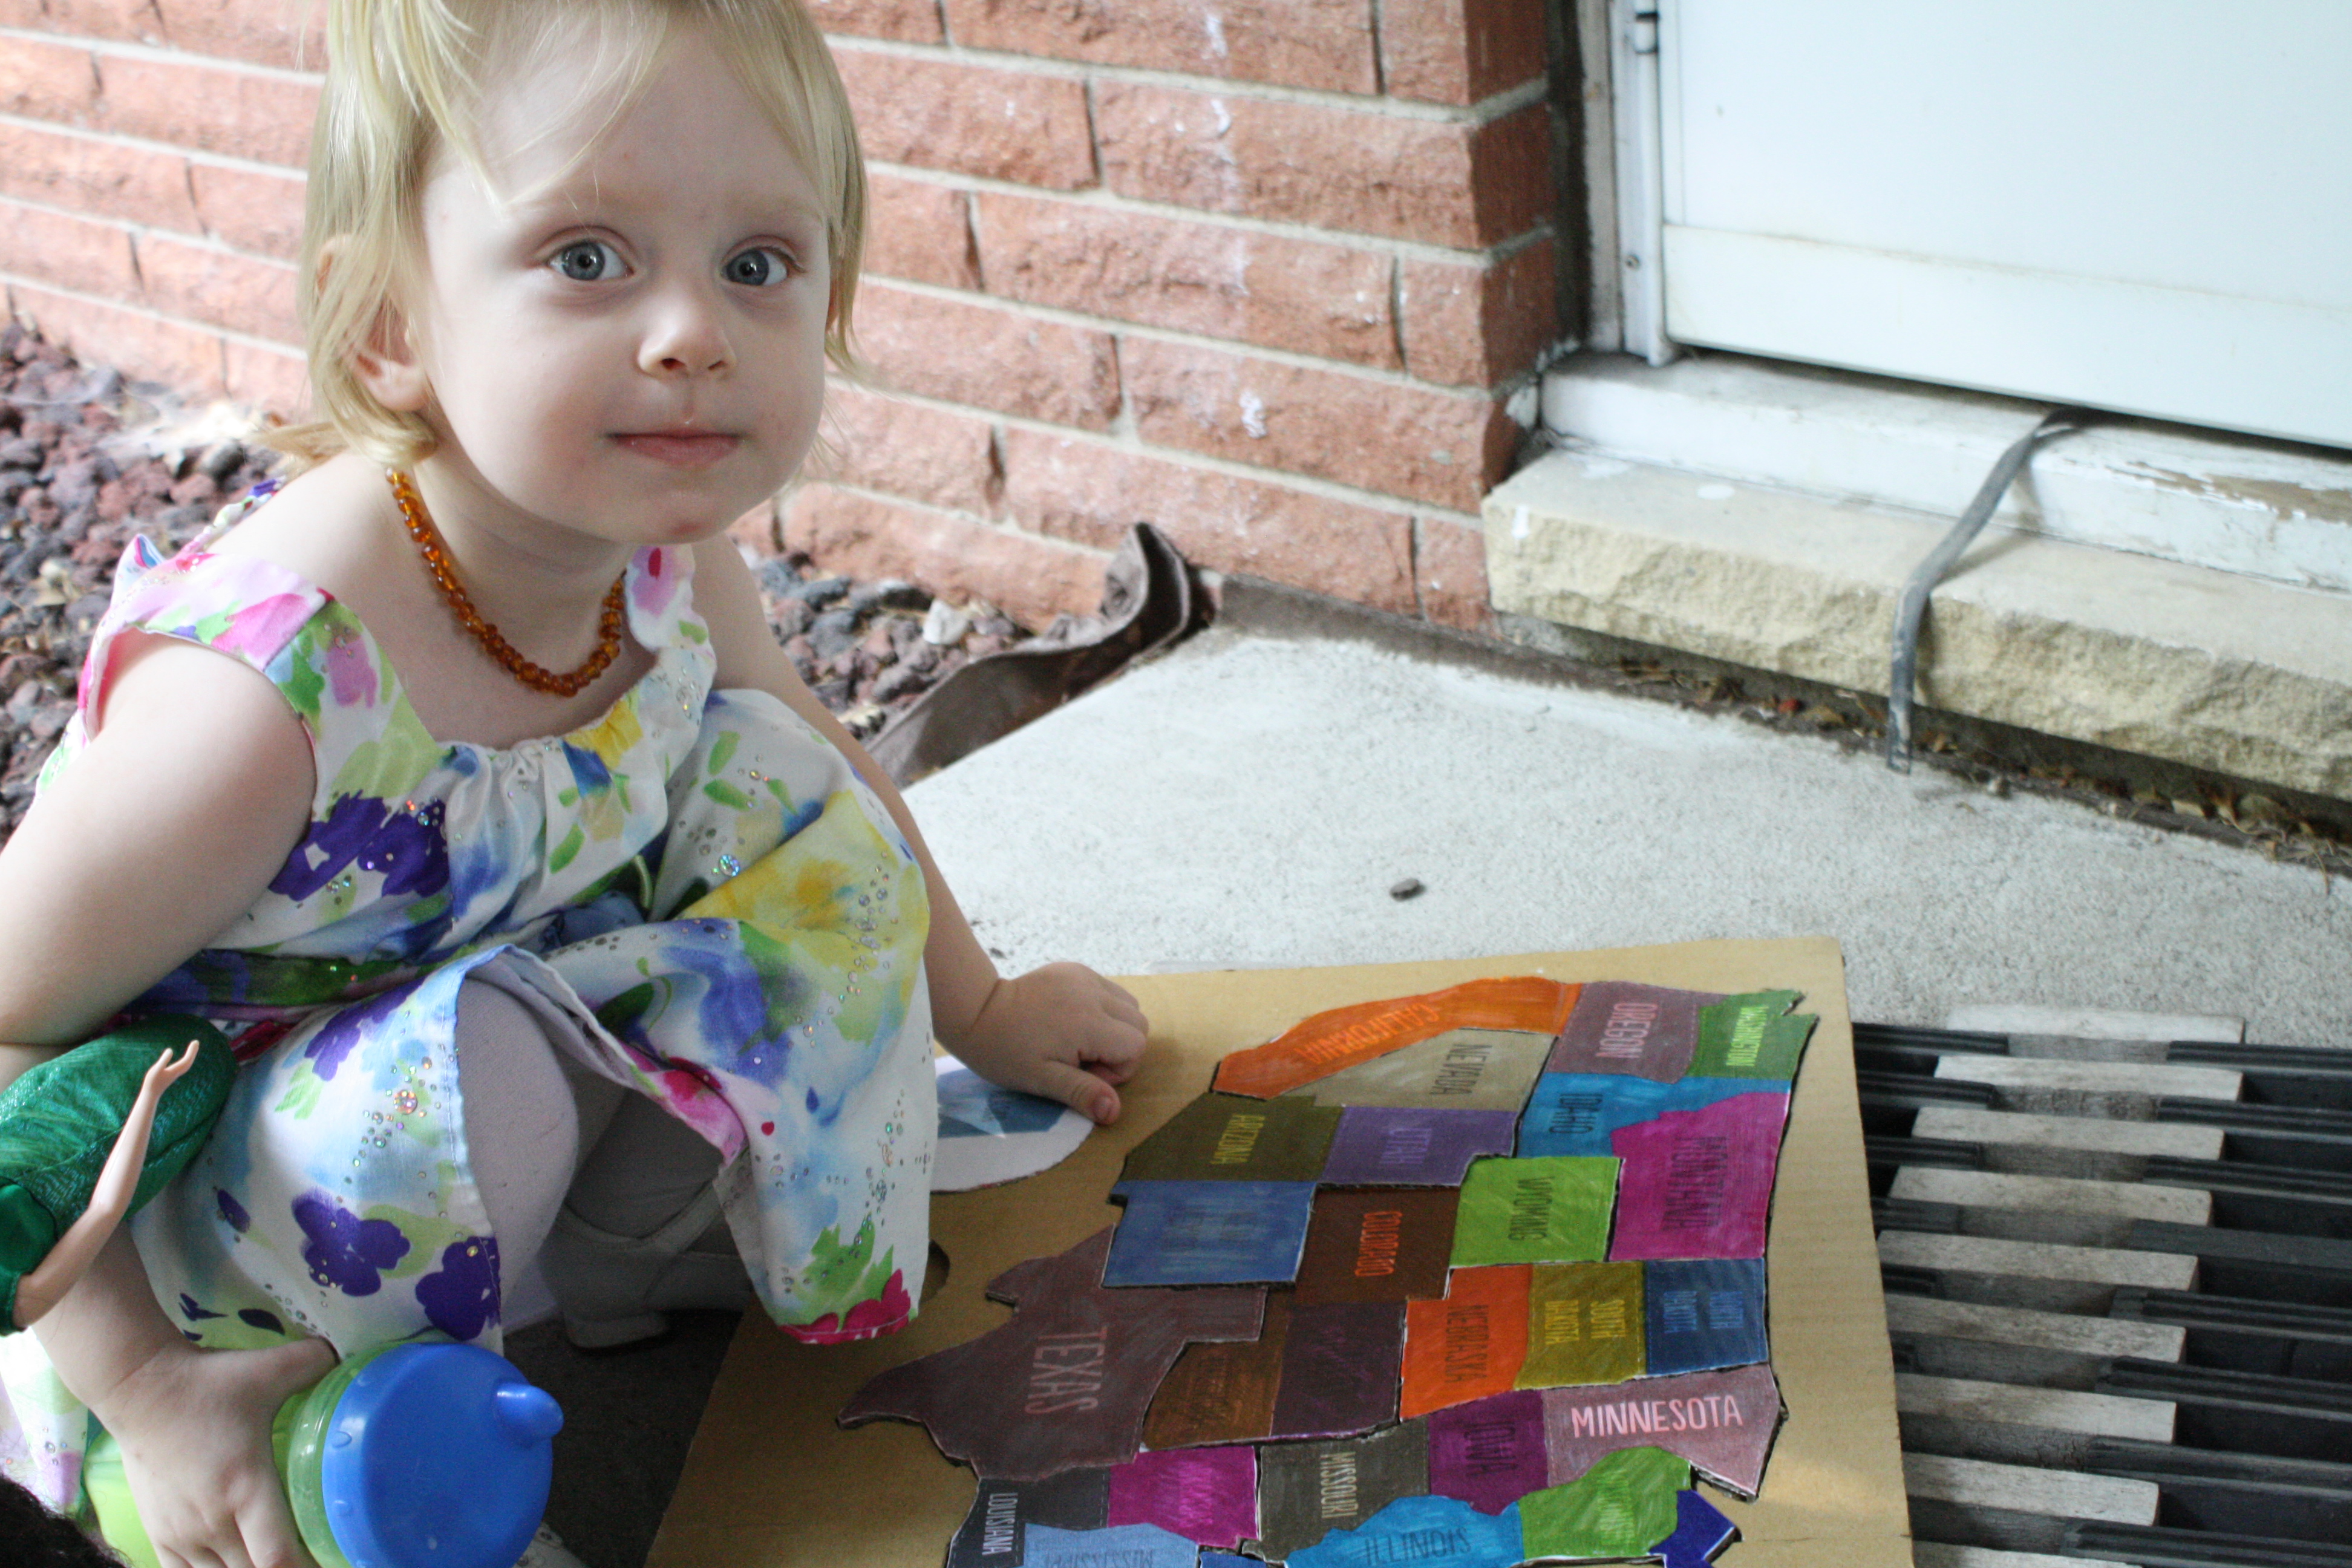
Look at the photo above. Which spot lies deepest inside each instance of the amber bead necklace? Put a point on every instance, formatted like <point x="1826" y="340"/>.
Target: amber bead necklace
<point x="445" y="577"/>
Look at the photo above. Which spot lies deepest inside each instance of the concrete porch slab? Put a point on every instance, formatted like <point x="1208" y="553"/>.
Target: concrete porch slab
<point x="2209" y="669"/>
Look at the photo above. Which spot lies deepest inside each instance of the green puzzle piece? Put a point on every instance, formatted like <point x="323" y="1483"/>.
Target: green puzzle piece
<point x="1750" y="1037"/>
<point x="1554" y="1209"/>
<point x="1621" y="1507"/>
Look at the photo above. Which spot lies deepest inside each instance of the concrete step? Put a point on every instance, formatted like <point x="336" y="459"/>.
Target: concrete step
<point x="2216" y="669"/>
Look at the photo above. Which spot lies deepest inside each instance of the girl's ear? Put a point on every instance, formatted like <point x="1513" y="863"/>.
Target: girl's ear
<point x="385" y="363"/>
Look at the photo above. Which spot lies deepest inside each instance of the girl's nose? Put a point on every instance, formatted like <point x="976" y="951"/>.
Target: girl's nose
<point x="685" y="337"/>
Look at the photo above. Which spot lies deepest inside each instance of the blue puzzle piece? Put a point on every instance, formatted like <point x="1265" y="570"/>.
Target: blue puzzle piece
<point x="1229" y="1560"/>
<point x="1209" y="1233"/>
<point x="1703" y="1314"/>
<point x="1700" y="1531"/>
<point x="1574" y="1113"/>
<point x="1425" y="1532"/>
<point x="1125" y="1545"/>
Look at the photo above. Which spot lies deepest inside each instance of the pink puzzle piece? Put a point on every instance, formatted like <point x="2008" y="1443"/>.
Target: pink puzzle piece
<point x="1065" y="1383"/>
<point x="1698" y="1184"/>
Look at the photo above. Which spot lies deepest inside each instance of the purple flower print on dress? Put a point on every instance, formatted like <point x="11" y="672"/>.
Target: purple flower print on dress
<point x="233" y="1212"/>
<point x="461" y="1297"/>
<point x="345" y="1250"/>
<point x="406" y="847"/>
<point x="331" y="1044"/>
<point x="409" y="851"/>
<point x="349" y="823"/>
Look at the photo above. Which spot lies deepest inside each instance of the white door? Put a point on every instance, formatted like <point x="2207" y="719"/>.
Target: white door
<point x="2137" y="204"/>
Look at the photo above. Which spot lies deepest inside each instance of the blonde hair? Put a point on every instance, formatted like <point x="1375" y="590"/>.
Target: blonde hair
<point x="405" y="80"/>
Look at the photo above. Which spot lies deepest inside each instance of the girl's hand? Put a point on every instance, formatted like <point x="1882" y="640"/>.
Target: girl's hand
<point x="1063" y="1032"/>
<point x="194" y="1425"/>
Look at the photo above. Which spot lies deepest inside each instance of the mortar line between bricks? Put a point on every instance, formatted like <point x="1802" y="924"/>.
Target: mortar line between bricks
<point x="1134" y="445"/>
<point x="1288" y="357"/>
<point x="194" y="241"/>
<point x="124" y="48"/>
<point x="142" y="144"/>
<point x="1111" y="201"/>
<point x="1493" y="107"/>
<point x="228" y="334"/>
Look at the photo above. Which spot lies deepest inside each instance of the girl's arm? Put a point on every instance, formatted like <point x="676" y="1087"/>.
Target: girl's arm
<point x="1062" y="1031"/>
<point x="170" y="824"/>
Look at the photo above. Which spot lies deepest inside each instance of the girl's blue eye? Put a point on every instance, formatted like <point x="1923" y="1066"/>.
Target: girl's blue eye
<point x="758" y="268"/>
<point x="587" y="261"/>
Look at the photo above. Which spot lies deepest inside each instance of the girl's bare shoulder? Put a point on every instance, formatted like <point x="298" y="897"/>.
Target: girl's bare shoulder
<point x="321" y="525"/>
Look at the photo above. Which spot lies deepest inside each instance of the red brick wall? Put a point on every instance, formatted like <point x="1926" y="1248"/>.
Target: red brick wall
<point x="150" y="186"/>
<point x="1260" y="271"/>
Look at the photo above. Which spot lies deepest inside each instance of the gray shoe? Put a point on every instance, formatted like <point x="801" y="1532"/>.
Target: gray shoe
<point x="616" y="1290"/>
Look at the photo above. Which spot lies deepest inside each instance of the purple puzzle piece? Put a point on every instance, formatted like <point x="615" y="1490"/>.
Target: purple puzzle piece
<point x="1398" y="1146"/>
<point x="1208" y="1496"/>
<point x="1489" y="1452"/>
<point x="1342" y="1367"/>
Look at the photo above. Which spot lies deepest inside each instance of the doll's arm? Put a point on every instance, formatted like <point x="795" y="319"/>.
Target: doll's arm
<point x="72" y="1254"/>
<point x="1062" y="1031"/>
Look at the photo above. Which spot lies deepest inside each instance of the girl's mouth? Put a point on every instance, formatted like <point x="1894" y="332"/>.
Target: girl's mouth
<point x="679" y="449"/>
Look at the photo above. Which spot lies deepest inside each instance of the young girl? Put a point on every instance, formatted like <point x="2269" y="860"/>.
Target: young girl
<point x="463" y="782"/>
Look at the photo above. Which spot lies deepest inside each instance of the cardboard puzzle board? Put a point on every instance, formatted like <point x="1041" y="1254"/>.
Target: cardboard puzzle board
<point x="772" y="1481"/>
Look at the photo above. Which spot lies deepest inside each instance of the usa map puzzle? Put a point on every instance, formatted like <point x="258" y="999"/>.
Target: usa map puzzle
<point x="1465" y="1279"/>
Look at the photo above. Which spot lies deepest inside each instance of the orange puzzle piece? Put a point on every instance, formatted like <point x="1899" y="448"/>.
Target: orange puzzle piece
<point x="1319" y="1046"/>
<point x="1470" y="1345"/>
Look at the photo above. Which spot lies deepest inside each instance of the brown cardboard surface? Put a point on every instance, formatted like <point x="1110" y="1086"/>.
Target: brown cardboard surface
<point x="772" y="1480"/>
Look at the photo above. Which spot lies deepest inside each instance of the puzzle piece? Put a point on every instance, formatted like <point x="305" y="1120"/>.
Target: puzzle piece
<point x="1698" y="1184"/>
<point x="1617" y="1509"/>
<point x="995" y="1530"/>
<point x="1705" y="1313"/>
<point x="1208" y="1496"/>
<point x="1339" y="1369"/>
<point x="1377" y="1246"/>
<point x="1700" y="1531"/>
<point x="1064" y="1382"/>
<point x="1120" y="1546"/>
<point x="1746" y="1036"/>
<point x="1461" y="1069"/>
<point x="1575" y="1113"/>
<point x="1618" y="1027"/>
<point x="1468" y="1345"/>
<point x="1721" y="1422"/>
<point x="1222" y="1392"/>
<point x="1489" y="1453"/>
<point x="1585" y="1325"/>
<point x="1232" y="1138"/>
<point x="1209" y="1233"/>
<point x="1425" y="1532"/>
<point x="1551" y="1210"/>
<point x="1307" y="1490"/>
<point x="1317" y="1047"/>
<point x="1399" y="1146"/>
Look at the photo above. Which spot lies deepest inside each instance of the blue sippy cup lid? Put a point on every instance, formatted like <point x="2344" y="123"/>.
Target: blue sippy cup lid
<point x="437" y="1455"/>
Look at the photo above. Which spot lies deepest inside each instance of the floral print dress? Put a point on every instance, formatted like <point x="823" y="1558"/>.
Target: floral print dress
<point x="697" y="882"/>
